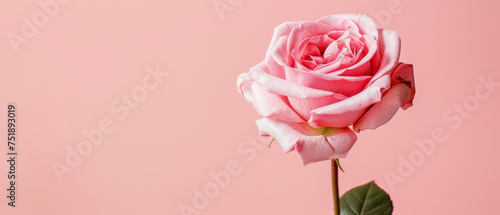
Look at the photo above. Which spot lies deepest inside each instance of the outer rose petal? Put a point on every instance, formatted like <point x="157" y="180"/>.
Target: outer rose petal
<point x="401" y="94"/>
<point x="313" y="145"/>
<point x="272" y="105"/>
<point x="348" y="111"/>
<point x="381" y="112"/>
<point x="244" y="85"/>
<point x="389" y="49"/>
<point x="404" y="74"/>
<point x="266" y="104"/>
<point x="279" y="86"/>
<point x="303" y="107"/>
<point x="282" y="30"/>
<point x="345" y="85"/>
<point x="279" y="54"/>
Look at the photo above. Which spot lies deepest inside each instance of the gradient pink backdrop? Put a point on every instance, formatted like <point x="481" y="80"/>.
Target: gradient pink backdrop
<point x="65" y="79"/>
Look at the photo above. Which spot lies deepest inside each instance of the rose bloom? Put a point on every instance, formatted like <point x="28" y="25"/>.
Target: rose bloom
<point x="321" y="80"/>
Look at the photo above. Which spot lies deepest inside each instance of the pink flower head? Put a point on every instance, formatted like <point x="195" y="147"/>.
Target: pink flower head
<point x="320" y="80"/>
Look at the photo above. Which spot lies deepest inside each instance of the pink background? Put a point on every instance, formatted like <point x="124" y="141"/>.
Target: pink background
<point x="66" y="77"/>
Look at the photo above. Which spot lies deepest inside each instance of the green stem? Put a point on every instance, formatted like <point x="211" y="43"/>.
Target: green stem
<point x="335" y="188"/>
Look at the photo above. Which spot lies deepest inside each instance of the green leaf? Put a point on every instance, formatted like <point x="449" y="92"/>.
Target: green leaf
<point x="368" y="199"/>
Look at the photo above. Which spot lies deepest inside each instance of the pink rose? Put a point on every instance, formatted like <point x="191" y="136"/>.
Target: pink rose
<point x="321" y="80"/>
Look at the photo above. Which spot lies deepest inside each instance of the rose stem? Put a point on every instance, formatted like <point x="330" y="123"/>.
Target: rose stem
<point x="335" y="188"/>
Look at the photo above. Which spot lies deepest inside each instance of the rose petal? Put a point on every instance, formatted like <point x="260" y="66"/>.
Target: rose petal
<point x="305" y="65"/>
<point x="318" y="60"/>
<point x="341" y="141"/>
<point x="279" y="53"/>
<point x="404" y="74"/>
<point x="345" y="85"/>
<point x="320" y="42"/>
<point x="283" y="87"/>
<point x="359" y="23"/>
<point x="312" y="144"/>
<point x="280" y="31"/>
<point x="244" y="84"/>
<point x="388" y="53"/>
<point x="347" y="112"/>
<point x="332" y="51"/>
<point x="272" y="105"/>
<point x="340" y="35"/>
<point x="303" y="107"/>
<point x="266" y="104"/>
<point x="362" y="64"/>
<point x="304" y="31"/>
<point x="381" y="112"/>
<point x="344" y="22"/>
